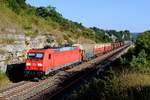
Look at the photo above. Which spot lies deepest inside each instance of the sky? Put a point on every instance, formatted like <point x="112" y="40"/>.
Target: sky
<point x="132" y="15"/>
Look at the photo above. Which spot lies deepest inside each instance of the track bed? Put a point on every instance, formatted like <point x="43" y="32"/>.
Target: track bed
<point x="54" y="85"/>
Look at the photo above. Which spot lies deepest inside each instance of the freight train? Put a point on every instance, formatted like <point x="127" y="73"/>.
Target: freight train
<point x="41" y="62"/>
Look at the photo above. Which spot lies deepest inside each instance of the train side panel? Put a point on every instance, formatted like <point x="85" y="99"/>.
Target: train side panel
<point x="65" y="58"/>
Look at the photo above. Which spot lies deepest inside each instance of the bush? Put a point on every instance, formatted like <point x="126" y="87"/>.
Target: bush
<point x="7" y="41"/>
<point x="99" y="88"/>
<point x="14" y="6"/>
<point x="2" y="75"/>
<point x="50" y="12"/>
<point x="140" y="61"/>
<point x="29" y="33"/>
<point x="138" y="57"/>
<point x="3" y="79"/>
<point x="143" y="42"/>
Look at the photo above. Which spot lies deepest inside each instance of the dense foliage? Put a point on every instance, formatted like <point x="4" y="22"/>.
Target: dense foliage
<point x="110" y="86"/>
<point x="139" y="56"/>
<point x="49" y="12"/>
<point x="122" y="35"/>
<point x="143" y="42"/>
<point x="129" y="79"/>
<point x="57" y="21"/>
<point x="16" y="5"/>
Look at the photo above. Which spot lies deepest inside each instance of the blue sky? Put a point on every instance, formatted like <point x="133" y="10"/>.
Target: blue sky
<point x="133" y="15"/>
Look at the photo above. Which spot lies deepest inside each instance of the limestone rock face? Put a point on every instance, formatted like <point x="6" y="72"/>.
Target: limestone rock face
<point x="13" y="47"/>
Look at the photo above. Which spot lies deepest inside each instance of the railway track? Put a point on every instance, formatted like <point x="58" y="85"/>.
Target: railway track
<point x="52" y="86"/>
<point x="46" y="94"/>
<point x="12" y="86"/>
<point x="19" y="87"/>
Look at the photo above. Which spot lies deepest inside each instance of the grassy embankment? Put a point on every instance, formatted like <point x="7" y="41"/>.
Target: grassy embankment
<point x="116" y="85"/>
<point x="29" y="24"/>
<point x="127" y="79"/>
<point x="3" y="80"/>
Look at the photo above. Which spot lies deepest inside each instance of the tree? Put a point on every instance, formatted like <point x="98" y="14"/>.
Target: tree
<point x="49" y="12"/>
<point x="140" y="61"/>
<point x="143" y="42"/>
<point x="22" y="3"/>
<point x="13" y="4"/>
<point x="16" y="5"/>
<point x="42" y="11"/>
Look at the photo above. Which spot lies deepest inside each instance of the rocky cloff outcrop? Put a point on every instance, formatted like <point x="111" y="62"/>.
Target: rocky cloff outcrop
<point x="13" y="47"/>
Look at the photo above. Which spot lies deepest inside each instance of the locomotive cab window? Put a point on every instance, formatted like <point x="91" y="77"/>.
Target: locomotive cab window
<point x="39" y="55"/>
<point x="35" y="55"/>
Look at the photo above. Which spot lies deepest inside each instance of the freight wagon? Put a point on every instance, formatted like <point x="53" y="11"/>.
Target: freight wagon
<point x="99" y="49"/>
<point x="87" y="51"/>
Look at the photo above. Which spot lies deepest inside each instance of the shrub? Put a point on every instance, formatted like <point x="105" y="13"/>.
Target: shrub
<point x="143" y="42"/>
<point x="3" y="79"/>
<point x="7" y="41"/>
<point x="29" y="33"/>
<point x="140" y="61"/>
<point x="99" y="88"/>
<point x="27" y="26"/>
<point x="2" y="75"/>
<point x="14" y="6"/>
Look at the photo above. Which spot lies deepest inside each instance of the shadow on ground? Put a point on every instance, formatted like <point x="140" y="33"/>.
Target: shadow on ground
<point x="15" y="72"/>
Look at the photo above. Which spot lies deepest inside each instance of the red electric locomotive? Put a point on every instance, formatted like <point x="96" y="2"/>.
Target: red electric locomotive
<point x="43" y="61"/>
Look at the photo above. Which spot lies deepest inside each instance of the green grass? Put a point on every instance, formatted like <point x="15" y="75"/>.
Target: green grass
<point x="3" y="80"/>
<point x="7" y="41"/>
<point x="132" y="79"/>
<point x="24" y="22"/>
<point x="29" y="25"/>
<point x="110" y="85"/>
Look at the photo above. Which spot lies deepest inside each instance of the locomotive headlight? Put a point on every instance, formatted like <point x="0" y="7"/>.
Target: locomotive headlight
<point x="40" y="65"/>
<point x="28" y="64"/>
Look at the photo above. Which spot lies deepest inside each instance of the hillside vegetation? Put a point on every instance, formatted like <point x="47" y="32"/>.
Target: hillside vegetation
<point x="126" y="79"/>
<point x="18" y="17"/>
